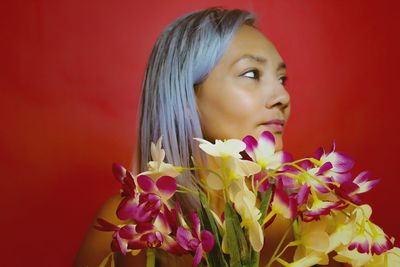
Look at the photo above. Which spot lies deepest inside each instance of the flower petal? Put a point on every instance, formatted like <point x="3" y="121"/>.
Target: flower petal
<point x="282" y="204"/>
<point x="119" y="171"/>
<point x="197" y="256"/>
<point x="105" y="225"/>
<point x="251" y="145"/>
<point x="317" y="241"/>
<point x="214" y="181"/>
<point x="146" y="183"/>
<point x="194" y="218"/>
<point x="127" y="231"/>
<point x="207" y="240"/>
<point x="256" y="236"/>
<point x="183" y="236"/>
<point x="266" y="143"/>
<point x="166" y="186"/>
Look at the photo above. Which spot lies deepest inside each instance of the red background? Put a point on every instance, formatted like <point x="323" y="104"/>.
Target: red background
<point x="70" y="78"/>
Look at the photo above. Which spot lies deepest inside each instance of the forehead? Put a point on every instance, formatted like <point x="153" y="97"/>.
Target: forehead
<point x="250" y="41"/>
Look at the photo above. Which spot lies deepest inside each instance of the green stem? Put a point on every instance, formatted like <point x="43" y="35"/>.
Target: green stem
<point x="187" y="189"/>
<point x="272" y="259"/>
<point x="150" y="258"/>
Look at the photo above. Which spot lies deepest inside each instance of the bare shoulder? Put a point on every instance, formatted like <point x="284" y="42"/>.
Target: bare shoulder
<point x="96" y="244"/>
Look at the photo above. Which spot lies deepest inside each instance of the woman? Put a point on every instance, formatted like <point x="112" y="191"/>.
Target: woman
<point x="212" y="75"/>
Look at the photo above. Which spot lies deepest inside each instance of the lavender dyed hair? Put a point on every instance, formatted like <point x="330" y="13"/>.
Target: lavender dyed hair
<point x="185" y="52"/>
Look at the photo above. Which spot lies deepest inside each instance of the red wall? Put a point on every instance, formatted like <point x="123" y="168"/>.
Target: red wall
<point x="70" y="79"/>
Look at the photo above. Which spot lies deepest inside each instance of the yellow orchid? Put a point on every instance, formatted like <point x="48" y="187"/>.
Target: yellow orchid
<point x="390" y="258"/>
<point x="312" y="244"/>
<point x="308" y="260"/>
<point x="352" y="257"/>
<point x="157" y="167"/>
<point x="245" y="205"/>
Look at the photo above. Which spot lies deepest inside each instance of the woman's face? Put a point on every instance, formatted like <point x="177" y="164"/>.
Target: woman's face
<point x="245" y="92"/>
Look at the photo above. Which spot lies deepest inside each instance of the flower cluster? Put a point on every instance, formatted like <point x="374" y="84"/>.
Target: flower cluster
<point x="318" y="194"/>
<point x="152" y="221"/>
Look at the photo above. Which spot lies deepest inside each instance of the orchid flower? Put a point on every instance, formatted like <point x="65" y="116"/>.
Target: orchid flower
<point x="195" y="240"/>
<point x="222" y="149"/>
<point x="121" y="235"/>
<point x="343" y="230"/>
<point x="157" y="167"/>
<point x="390" y="258"/>
<point x="352" y="257"/>
<point x="164" y="187"/>
<point x="312" y="245"/>
<point x="263" y="153"/>
<point x="318" y="209"/>
<point x="230" y="164"/>
<point x="341" y="163"/>
<point x="350" y="190"/>
<point x="245" y="205"/>
<point x="126" y="179"/>
<point x="283" y="204"/>
<point x="146" y="205"/>
<point x="310" y="259"/>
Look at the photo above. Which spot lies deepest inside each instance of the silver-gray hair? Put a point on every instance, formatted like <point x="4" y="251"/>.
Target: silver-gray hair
<point x="183" y="55"/>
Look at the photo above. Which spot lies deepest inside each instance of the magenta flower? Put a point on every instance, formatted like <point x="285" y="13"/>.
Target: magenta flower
<point x="146" y="205"/>
<point x="360" y="243"/>
<point x="141" y="209"/>
<point x="341" y="163"/>
<point x="121" y="235"/>
<point x="156" y="235"/>
<point x="381" y="243"/>
<point x="263" y="153"/>
<point x="164" y="187"/>
<point x="195" y="240"/>
<point x="283" y="204"/>
<point x="350" y="190"/>
<point x="318" y="209"/>
<point x="126" y="179"/>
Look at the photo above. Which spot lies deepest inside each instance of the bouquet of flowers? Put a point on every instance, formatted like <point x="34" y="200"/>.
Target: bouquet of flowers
<point x="318" y="194"/>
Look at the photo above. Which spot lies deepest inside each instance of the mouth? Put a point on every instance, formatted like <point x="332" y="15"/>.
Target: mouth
<point x="275" y="125"/>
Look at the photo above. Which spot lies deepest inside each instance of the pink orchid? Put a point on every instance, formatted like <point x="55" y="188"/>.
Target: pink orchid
<point x="381" y="243"/>
<point x="341" y="163"/>
<point x="360" y="243"/>
<point x="350" y="190"/>
<point x="126" y="179"/>
<point x="319" y="208"/>
<point x="195" y="240"/>
<point x="148" y="203"/>
<point x="156" y="235"/>
<point x="283" y="204"/>
<point x="164" y="187"/>
<point x="263" y="153"/>
<point x="121" y="235"/>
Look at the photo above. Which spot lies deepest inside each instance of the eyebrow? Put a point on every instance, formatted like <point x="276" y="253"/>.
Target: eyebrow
<point x="258" y="59"/>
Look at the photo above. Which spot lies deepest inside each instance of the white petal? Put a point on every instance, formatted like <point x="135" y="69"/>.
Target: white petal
<point x="256" y="236"/>
<point x="214" y="182"/>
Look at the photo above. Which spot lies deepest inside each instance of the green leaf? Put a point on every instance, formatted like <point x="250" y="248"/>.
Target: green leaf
<point x="215" y="258"/>
<point x="254" y="258"/>
<point x="237" y="243"/>
<point x="266" y="199"/>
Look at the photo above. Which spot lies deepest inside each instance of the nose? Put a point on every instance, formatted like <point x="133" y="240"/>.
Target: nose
<point x="277" y="96"/>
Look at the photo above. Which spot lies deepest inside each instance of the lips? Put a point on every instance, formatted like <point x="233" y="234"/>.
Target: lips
<point x="276" y="125"/>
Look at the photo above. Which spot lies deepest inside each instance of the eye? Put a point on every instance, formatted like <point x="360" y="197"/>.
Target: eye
<point x="283" y="80"/>
<point x="252" y="74"/>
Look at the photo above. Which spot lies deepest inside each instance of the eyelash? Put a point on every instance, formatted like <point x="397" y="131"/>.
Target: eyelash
<point x="282" y="79"/>
<point x="256" y="74"/>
